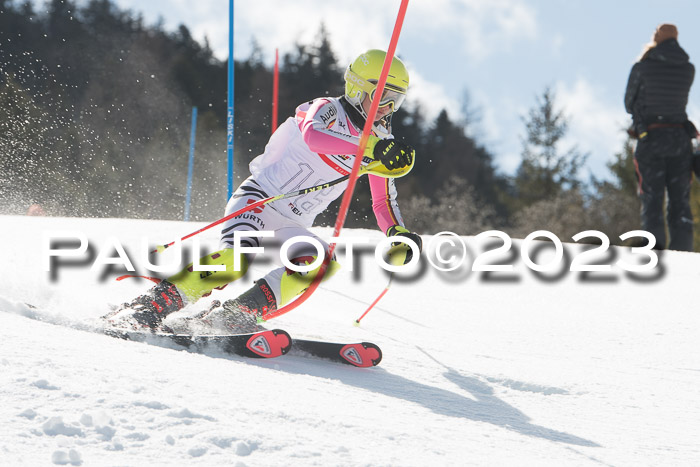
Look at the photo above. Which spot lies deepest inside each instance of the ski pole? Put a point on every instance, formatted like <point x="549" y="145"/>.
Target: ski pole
<point x="386" y="289"/>
<point x="369" y="168"/>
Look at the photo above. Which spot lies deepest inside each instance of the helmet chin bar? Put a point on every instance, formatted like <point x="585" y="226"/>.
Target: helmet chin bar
<point x="382" y="127"/>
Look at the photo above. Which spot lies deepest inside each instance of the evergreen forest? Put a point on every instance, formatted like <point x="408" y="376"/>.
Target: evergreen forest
<point x="95" y="112"/>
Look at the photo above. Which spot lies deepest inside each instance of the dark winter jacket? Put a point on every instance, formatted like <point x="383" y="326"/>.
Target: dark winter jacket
<point x="658" y="86"/>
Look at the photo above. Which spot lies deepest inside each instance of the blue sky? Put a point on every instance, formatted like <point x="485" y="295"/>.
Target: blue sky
<point x="503" y="52"/>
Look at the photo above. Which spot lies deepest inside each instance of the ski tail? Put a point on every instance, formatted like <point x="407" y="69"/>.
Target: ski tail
<point x="269" y="344"/>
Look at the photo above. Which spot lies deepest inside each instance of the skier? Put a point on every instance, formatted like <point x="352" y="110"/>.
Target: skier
<point x="316" y="145"/>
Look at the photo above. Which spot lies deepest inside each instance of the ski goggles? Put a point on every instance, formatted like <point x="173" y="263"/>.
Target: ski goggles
<point x="390" y="96"/>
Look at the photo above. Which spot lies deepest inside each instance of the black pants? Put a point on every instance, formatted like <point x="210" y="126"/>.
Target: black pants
<point x="664" y="165"/>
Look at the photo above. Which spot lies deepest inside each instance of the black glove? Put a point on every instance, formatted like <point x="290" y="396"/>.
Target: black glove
<point x="397" y="230"/>
<point x="393" y="154"/>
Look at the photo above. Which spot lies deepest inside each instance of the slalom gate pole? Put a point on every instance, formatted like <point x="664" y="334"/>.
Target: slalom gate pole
<point x="347" y="196"/>
<point x="230" y="119"/>
<point x="275" y="90"/>
<point x="376" y="300"/>
<point x="190" y="165"/>
<point x="366" y="169"/>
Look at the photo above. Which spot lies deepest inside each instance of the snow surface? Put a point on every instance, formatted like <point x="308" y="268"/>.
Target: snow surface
<point x="478" y="369"/>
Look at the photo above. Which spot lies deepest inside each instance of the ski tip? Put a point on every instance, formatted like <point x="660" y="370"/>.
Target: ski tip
<point x="362" y="355"/>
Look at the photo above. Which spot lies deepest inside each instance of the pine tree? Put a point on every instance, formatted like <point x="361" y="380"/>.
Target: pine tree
<point x="545" y="172"/>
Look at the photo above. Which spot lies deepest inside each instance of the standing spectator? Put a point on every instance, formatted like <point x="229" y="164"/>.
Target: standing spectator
<point x="656" y="96"/>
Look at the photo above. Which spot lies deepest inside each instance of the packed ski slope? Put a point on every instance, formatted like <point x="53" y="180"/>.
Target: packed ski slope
<point x="500" y="369"/>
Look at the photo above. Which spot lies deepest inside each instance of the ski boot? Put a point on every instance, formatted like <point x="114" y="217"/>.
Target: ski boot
<point x="241" y="314"/>
<point x="148" y="310"/>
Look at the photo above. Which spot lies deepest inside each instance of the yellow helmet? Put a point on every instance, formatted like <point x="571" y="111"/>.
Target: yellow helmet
<point x="362" y="75"/>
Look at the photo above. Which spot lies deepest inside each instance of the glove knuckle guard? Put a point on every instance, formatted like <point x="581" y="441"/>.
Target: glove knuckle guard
<point x="393" y="154"/>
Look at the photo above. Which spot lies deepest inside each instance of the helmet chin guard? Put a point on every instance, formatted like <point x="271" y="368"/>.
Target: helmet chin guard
<point x="382" y="127"/>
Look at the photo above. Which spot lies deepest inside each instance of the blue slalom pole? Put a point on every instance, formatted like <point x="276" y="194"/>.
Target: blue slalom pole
<point x="190" y="168"/>
<point x="229" y="125"/>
